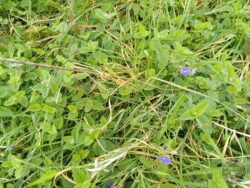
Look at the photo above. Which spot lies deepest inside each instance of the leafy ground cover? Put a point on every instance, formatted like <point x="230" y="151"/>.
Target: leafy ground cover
<point x="124" y="93"/>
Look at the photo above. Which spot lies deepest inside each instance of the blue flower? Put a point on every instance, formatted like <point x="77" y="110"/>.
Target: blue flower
<point x="110" y="185"/>
<point x="165" y="160"/>
<point x="185" y="71"/>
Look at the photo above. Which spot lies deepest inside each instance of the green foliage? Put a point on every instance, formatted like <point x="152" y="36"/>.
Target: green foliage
<point x="196" y="111"/>
<point x="217" y="181"/>
<point x="44" y="178"/>
<point x="119" y="101"/>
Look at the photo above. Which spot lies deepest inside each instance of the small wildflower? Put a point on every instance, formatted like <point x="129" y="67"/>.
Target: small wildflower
<point x="185" y="71"/>
<point x="105" y="15"/>
<point x="174" y="152"/>
<point x="165" y="160"/>
<point x="110" y="185"/>
<point x="194" y="71"/>
<point x="9" y="148"/>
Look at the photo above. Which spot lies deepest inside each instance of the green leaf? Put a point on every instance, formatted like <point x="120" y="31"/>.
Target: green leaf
<point x="230" y="70"/>
<point x="161" y="173"/>
<point x="207" y="138"/>
<point x="149" y="73"/>
<point x="103" y="16"/>
<point x="41" y="89"/>
<point x="67" y="77"/>
<point x="63" y="27"/>
<point x="89" y="47"/>
<point x="217" y="180"/>
<point x="202" y="82"/>
<point x="5" y="112"/>
<point x="107" y="145"/>
<point x="247" y="47"/>
<point x="88" y="140"/>
<point x="34" y="107"/>
<point x="196" y="111"/>
<point x="101" y="57"/>
<point x="4" y="91"/>
<point x="49" y="109"/>
<point x="44" y="178"/>
<point x="125" y="91"/>
<point x="47" y="127"/>
<point x="43" y="74"/>
<point x="84" y="153"/>
<point x="103" y="90"/>
<point x="79" y="176"/>
<point x="58" y="122"/>
<point x="85" y="184"/>
<point x="146" y="162"/>
<point x="91" y="104"/>
<point x="182" y="54"/>
<point x="94" y="133"/>
<point x="15" y="98"/>
<point x="142" y="32"/>
<point x="80" y="76"/>
<point x="87" y="104"/>
<point x="21" y="171"/>
<point x="217" y="113"/>
<point x="205" y="122"/>
<point x="72" y="108"/>
<point x="66" y="184"/>
<point x="203" y="25"/>
<point x="177" y="36"/>
<point x="171" y="118"/>
<point x="168" y="185"/>
<point x="162" y="53"/>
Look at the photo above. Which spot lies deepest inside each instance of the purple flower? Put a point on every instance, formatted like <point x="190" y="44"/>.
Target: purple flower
<point x="165" y="160"/>
<point x="110" y="185"/>
<point x="185" y="71"/>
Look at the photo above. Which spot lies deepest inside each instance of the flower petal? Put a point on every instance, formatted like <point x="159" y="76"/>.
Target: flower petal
<point x="110" y="185"/>
<point x="185" y="71"/>
<point x="164" y="160"/>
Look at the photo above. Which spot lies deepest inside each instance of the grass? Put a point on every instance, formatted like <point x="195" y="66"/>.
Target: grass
<point x="92" y="93"/>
